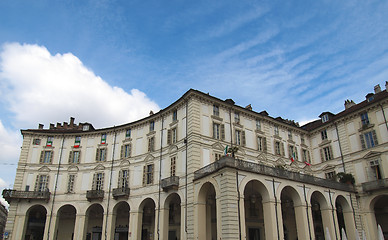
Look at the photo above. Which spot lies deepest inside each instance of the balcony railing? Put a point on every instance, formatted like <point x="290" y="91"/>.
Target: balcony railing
<point x="170" y="183"/>
<point x="269" y="171"/>
<point x="95" y="195"/>
<point x="120" y="192"/>
<point x="10" y="194"/>
<point x="375" y="185"/>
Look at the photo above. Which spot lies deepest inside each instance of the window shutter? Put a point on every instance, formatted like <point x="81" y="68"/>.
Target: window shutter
<point x="94" y="181"/>
<point x="102" y="182"/>
<point x="222" y="131"/>
<point x="375" y="137"/>
<point x="289" y="151"/>
<point x="36" y="183"/>
<point x="149" y="144"/>
<point x="79" y="157"/>
<point x="46" y="187"/>
<point x="322" y="155"/>
<point x="129" y="150"/>
<point x="362" y="141"/>
<point x="144" y="175"/>
<point x="122" y="151"/>
<point x="264" y="144"/>
<point x="152" y="174"/>
<point x="106" y="152"/>
<point x="243" y="137"/>
<point x="41" y="157"/>
<point x="331" y="153"/>
<point x="70" y="156"/>
<point x="169" y="137"/>
<point x="97" y="152"/>
<point x="119" y="184"/>
<point x="282" y="149"/>
<point x="51" y="156"/>
<point x="296" y="153"/>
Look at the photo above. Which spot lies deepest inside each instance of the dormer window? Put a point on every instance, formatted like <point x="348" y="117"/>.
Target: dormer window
<point x="85" y="128"/>
<point x="364" y="119"/>
<point x="236" y="117"/>
<point x="325" y="118"/>
<point x="216" y="110"/>
<point x="174" y="115"/>
<point x="258" y="124"/>
<point x="128" y="133"/>
<point x="152" y="126"/>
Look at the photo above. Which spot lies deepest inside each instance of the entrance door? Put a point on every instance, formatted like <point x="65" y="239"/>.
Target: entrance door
<point x="254" y="234"/>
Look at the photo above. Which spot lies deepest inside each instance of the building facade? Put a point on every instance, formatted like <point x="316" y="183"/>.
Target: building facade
<point x="3" y="219"/>
<point x="167" y="176"/>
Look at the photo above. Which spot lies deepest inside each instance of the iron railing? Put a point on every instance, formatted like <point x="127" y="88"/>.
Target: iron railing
<point x="170" y="183"/>
<point x="375" y="185"/>
<point x="269" y="171"/>
<point x="120" y="192"/>
<point x="10" y="194"/>
<point x="95" y="195"/>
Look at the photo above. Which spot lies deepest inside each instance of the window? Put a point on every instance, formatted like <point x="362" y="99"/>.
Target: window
<point x="172" y="136"/>
<point x="103" y="138"/>
<point x="41" y="183"/>
<point x="276" y="130"/>
<point x="216" y="110"/>
<point x="364" y="119"/>
<point x="302" y="140"/>
<point x="77" y="141"/>
<point x="126" y="151"/>
<point x="218" y="131"/>
<point x="368" y="139"/>
<point x="49" y="142"/>
<point x="128" y="133"/>
<point x="98" y="181"/>
<point x="101" y="155"/>
<point x="123" y="179"/>
<point x="236" y="117"/>
<point x="289" y="134"/>
<point x="261" y="144"/>
<point x="152" y="126"/>
<point x="326" y="153"/>
<point x="330" y="175"/>
<point x="305" y="156"/>
<point x="36" y="141"/>
<point x="174" y="115"/>
<point x="70" y="183"/>
<point x="74" y="157"/>
<point x="239" y="137"/>
<point x="151" y="144"/>
<point x="217" y="156"/>
<point x="292" y="152"/>
<point x="258" y="124"/>
<point x="148" y="174"/>
<point x="279" y="148"/>
<point x="172" y="166"/>
<point x="324" y="134"/>
<point x="46" y="157"/>
<point x="325" y="118"/>
<point x="375" y="169"/>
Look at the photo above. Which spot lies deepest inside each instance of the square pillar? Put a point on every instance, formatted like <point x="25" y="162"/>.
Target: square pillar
<point x="80" y="226"/>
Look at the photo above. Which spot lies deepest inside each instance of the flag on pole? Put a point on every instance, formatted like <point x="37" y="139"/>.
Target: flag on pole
<point x="307" y="163"/>
<point x="226" y="150"/>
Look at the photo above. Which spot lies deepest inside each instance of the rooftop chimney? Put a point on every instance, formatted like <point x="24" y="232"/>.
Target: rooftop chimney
<point x="377" y="88"/>
<point x="349" y="103"/>
<point x="51" y="125"/>
<point x="151" y="113"/>
<point x="41" y="126"/>
<point x="72" y="121"/>
<point x="249" y="107"/>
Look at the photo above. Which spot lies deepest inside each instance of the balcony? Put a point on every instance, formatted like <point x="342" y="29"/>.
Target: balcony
<point x="375" y="185"/>
<point x="10" y="195"/>
<point x="95" y="195"/>
<point x="120" y="192"/>
<point x="269" y="171"/>
<point x="170" y="183"/>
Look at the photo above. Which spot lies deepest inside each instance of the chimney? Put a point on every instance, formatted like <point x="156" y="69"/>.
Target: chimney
<point x="349" y="103"/>
<point x="59" y="125"/>
<point x="65" y="124"/>
<point x="386" y="86"/>
<point x="249" y="107"/>
<point x="41" y="126"/>
<point x="51" y="125"/>
<point x="377" y="88"/>
<point x="71" y="121"/>
<point x="151" y="113"/>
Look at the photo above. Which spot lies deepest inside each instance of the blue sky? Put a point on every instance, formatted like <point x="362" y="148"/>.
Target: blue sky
<point x="294" y="59"/>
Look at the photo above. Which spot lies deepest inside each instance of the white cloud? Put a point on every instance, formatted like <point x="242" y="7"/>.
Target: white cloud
<point x="10" y="142"/>
<point x="3" y="185"/>
<point x="39" y="87"/>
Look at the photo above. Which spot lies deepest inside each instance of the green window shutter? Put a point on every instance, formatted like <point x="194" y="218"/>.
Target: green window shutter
<point x="222" y="126"/>
<point x="169" y="137"/>
<point x="375" y="137"/>
<point x="243" y="138"/>
<point x="264" y="144"/>
<point x="41" y="157"/>
<point x="362" y="141"/>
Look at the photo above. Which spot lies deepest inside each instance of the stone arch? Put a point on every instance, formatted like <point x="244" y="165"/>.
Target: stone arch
<point x="207" y="212"/>
<point x="379" y="210"/>
<point x="321" y="214"/>
<point x="94" y="220"/>
<point x="120" y="221"/>
<point x="147" y="226"/>
<point x="345" y="217"/>
<point x="291" y="210"/>
<point x="261" y="187"/>
<point x="65" y="223"/>
<point x="172" y="213"/>
<point x="35" y="222"/>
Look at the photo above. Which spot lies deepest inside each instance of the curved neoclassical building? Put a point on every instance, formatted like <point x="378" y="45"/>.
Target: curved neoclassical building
<point x="167" y="176"/>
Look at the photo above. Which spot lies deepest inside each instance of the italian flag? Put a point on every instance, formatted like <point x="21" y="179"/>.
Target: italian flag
<point x="226" y="150"/>
<point x="307" y="163"/>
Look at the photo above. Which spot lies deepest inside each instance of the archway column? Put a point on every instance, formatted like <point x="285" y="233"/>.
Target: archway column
<point x="327" y="220"/>
<point x="302" y="224"/>
<point x="135" y="225"/>
<point x="270" y="224"/>
<point x="110" y="225"/>
<point x="164" y="223"/>
<point x="46" y="227"/>
<point x="20" y="220"/>
<point x="200" y="230"/>
<point x="53" y="227"/>
<point x="349" y="224"/>
<point x="80" y="226"/>
<point x="311" y="221"/>
<point x="183" y="226"/>
<point x="371" y="224"/>
<point x="242" y="217"/>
